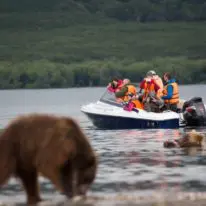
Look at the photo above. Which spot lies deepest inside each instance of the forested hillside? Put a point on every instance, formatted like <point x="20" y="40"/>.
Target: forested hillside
<point x="65" y="43"/>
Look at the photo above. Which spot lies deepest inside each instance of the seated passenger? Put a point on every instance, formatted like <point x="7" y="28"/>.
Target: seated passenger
<point x="134" y="102"/>
<point x="127" y="89"/>
<point x="115" y="85"/>
<point x="170" y="93"/>
<point x="155" y="103"/>
<point x="127" y="94"/>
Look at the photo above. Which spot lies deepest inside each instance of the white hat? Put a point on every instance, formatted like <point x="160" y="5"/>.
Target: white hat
<point x="151" y="72"/>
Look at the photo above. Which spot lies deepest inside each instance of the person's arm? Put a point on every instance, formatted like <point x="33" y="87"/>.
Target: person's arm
<point x="156" y="86"/>
<point x="169" y="92"/>
<point x="122" y="92"/>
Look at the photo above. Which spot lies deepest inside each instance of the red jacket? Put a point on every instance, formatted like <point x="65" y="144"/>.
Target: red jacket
<point x="118" y="86"/>
<point x="156" y="87"/>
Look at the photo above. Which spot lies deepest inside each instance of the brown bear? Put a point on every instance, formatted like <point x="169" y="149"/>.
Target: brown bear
<point x="52" y="146"/>
<point x="191" y="139"/>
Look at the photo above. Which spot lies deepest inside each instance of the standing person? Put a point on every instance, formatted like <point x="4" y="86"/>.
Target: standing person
<point x="158" y="81"/>
<point x="170" y="92"/>
<point x="150" y="88"/>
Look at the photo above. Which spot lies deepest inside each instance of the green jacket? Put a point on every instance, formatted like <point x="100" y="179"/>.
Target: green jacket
<point x="122" y="92"/>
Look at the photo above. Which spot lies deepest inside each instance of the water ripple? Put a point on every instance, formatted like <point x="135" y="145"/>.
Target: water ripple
<point x="130" y="161"/>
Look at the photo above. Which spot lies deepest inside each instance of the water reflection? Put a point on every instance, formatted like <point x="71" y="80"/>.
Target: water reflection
<point x="136" y="160"/>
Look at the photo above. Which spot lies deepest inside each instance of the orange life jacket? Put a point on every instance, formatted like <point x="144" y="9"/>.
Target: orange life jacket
<point x="138" y="104"/>
<point x="131" y="90"/>
<point x="148" y="87"/>
<point x="175" y="96"/>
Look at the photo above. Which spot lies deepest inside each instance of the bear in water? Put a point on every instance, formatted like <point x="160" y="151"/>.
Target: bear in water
<point x="52" y="146"/>
<point x="191" y="139"/>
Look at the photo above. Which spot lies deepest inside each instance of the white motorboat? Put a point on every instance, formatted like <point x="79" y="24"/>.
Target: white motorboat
<point x="107" y="113"/>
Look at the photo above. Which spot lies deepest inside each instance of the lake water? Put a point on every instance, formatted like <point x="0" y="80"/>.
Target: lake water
<point x="130" y="161"/>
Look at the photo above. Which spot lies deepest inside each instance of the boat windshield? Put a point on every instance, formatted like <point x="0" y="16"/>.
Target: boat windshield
<point x="108" y="97"/>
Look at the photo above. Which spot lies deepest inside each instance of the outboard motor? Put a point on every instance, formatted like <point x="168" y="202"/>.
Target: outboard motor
<point x="194" y="112"/>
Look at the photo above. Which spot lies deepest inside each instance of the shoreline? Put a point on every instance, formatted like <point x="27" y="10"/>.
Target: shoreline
<point x="157" y="199"/>
<point x="87" y="87"/>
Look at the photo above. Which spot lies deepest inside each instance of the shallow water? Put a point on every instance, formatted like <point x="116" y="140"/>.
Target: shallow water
<point x="130" y="161"/>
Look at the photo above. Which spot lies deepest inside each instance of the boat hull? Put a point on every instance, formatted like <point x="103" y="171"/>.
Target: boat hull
<point x="105" y="116"/>
<point x="112" y="122"/>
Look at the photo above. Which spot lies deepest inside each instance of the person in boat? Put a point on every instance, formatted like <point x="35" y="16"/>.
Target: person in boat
<point x="150" y="97"/>
<point x="158" y="81"/>
<point x="170" y="93"/>
<point x="127" y="95"/>
<point x="115" y="85"/>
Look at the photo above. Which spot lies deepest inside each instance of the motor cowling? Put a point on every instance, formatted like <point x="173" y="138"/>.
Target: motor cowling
<point x="194" y="112"/>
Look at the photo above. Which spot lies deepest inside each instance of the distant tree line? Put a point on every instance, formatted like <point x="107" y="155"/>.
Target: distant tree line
<point x="45" y="74"/>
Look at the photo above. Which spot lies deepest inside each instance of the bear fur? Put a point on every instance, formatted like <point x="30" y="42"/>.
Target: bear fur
<point x="191" y="139"/>
<point x="52" y="146"/>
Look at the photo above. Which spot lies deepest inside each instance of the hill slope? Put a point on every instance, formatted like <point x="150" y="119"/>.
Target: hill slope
<point x="85" y="42"/>
<point x="137" y="10"/>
